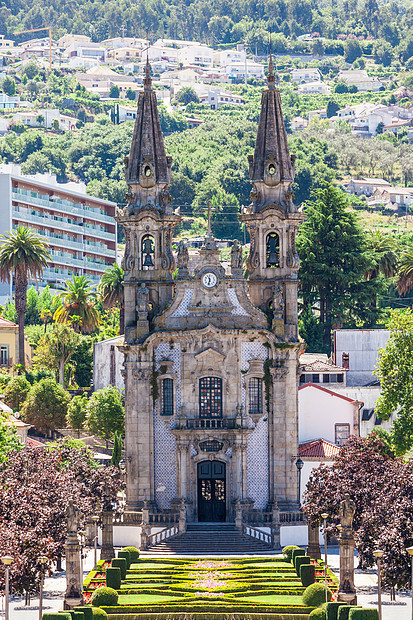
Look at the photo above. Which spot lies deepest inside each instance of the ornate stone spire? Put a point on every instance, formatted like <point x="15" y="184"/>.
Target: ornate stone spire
<point x="271" y="168"/>
<point x="147" y="169"/>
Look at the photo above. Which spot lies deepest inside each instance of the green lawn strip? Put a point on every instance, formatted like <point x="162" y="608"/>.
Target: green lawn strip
<point x="274" y="599"/>
<point x="209" y="616"/>
<point x="207" y="608"/>
<point x="145" y="599"/>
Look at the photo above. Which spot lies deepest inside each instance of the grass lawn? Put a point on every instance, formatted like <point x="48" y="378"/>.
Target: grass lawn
<point x="144" y="599"/>
<point x="273" y="599"/>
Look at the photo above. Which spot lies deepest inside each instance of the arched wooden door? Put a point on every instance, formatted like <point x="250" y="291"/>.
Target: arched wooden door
<point x="211" y="491"/>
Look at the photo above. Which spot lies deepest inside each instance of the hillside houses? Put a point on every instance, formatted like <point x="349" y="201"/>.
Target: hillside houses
<point x="365" y="118"/>
<point x="381" y="193"/>
<point x="360" y="79"/>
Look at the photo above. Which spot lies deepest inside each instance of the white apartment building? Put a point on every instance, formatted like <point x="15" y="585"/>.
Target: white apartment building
<point x="224" y="58"/>
<point x="360" y="79"/>
<point x="196" y="55"/>
<point x="300" y="76"/>
<point x="5" y="43"/>
<point x="45" y="118"/>
<point x="79" y="229"/>
<point x="216" y="98"/>
<point x="72" y="39"/>
<point x="314" y="88"/>
<point x="118" y="42"/>
<point x="237" y="70"/>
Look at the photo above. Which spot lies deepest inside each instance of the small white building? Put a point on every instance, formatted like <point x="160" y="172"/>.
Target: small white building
<point x="298" y="123"/>
<point x="118" y="42"/>
<point x="197" y="55"/>
<point x="157" y="53"/>
<point x="223" y="58"/>
<point x="360" y="79"/>
<point x="216" y="99"/>
<point x="309" y="74"/>
<point x="366" y="186"/>
<point x="400" y="196"/>
<point x="5" y="44"/>
<point x="45" y="118"/>
<point x="124" y="54"/>
<point x="314" y="88"/>
<point x="8" y="102"/>
<point x="236" y="70"/>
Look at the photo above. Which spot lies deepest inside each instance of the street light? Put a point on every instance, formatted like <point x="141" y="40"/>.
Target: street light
<point x="299" y="465"/>
<point x="324" y="516"/>
<point x="378" y="554"/>
<point x="7" y="560"/>
<point x="43" y="559"/>
<point x="410" y="552"/>
<point x="95" y="520"/>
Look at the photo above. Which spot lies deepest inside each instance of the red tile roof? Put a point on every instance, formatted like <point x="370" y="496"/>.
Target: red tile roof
<point x="6" y="323"/>
<point x="33" y="443"/>
<point x="323" y="389"/>
<point x="318" y="448"/>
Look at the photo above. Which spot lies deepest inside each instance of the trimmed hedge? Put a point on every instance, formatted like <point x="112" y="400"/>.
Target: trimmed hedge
<point x="356" y="613"/>
<point x="332" y="609"/>
<point x="121" y="563"/>
<point x="288" y="551"/>
<point x="77" y="615"/>
<point x="126" y="555"/>
<point x="134" y="553"/>
<point x="299" y="560"/>
<point x="319" y="613"/>
<point x="295" y="553"/>
<point x="113" y="577"/>
<point x="87" y="611"/>
<point x="315" y="595"/>
<point x="104" y="596"/>
<point x="307" y="574"/>
<point x="99" y="613"/>
<point x="343" y="612"/>
<point x="61" y="615"/>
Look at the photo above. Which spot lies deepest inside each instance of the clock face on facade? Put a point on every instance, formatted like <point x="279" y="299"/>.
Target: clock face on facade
<point x="209" y="280"/>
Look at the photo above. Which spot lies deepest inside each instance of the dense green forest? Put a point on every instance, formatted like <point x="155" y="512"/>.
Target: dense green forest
<point x="220" y="22"/>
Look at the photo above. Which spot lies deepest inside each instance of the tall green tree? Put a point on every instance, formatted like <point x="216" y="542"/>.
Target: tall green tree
<point x="112" y="293"/>
<point x="46" y="405"/>
<point x="76" y="413"/>
<point x="105" y="413"/>
<point x="334" y="259"/>
<point x="78" y="300"/>
<point x="55" y="349"/>
<point x="16" y="391"/>
<point x="23" y="255"/>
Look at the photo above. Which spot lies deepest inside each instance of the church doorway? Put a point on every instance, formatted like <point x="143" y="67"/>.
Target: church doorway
<point x="211" y="491"/>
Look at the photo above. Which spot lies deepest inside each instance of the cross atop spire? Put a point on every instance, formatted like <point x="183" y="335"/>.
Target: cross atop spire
<point x="147" y="80"/>
<point x="271" y="76"/>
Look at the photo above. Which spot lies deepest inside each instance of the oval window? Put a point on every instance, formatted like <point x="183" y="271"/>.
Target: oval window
<point x="147" y="171"/>
<point x="271" y="169"/>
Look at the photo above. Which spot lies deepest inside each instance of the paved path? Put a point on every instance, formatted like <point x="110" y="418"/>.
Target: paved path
<point x="366" y="583"/>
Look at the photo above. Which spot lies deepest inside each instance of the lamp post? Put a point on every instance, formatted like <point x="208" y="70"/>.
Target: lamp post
<point x="324" y="516"/>
<point x="7" y="560"/>
<point x="43" y="559"/>
<point x="82" y="546"/>
<point x="95" y="520"/>
<point x="299" y="465"/>
<point x="378" y="554"/>
<point x="410" y="552"/>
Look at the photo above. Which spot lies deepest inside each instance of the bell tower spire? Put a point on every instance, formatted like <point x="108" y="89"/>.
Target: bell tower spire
<point x="147" y="219"/>
<point x="272" y="218"/>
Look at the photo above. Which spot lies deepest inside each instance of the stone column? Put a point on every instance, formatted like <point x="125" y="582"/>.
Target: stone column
<point x="313" y="547"/>
<point x="74" y="585"/>
<point x="238" y="516"/>
<point x="146" y="528"/>
<point x="275" y="527"/>
<point x="346" y="589"/>
<point x="182" y="518"/>
<point x="107" y="551"/>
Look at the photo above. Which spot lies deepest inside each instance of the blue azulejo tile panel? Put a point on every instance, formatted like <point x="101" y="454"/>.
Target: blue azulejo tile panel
<point x="258" y="464"/>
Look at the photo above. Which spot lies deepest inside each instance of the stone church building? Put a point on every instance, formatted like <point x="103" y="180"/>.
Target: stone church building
<point x="211" y="355"/>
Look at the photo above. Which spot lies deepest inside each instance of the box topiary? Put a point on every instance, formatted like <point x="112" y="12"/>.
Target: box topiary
<point x="343" y="612"/>
<point x="134" y="553"/>
<point x="295" y="553"/>
<point x="357" y="613"/>
<point x="126" y="555"/>
<point x="77" y="615"/>
<point x="113" y="577"/>
<point x="332" y="609"/>
<point x="57" y="615"/>
<point x="104" y="596"/>
<point x="319" y="613"/>
<point x="121" y="563"/>
<point x="315" y="595"/>
<point x="288" y="551"/>
<point x="307" y="574"/>
<point x="99" y="613"/>
<point x="299" y="560"/>
<point x="87" y="611"/>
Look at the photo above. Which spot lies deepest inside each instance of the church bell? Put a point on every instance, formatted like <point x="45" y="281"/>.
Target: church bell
<point x="148" y="260"/>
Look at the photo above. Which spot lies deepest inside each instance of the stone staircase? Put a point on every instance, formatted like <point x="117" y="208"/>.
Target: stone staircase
<point x="210" y="538"/>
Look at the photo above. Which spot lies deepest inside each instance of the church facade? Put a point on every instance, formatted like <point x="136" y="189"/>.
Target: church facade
<point x="211" y="354"/>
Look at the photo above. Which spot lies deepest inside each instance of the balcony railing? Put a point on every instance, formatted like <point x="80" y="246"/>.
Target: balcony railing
<point x="92" y="231"/>
<point x="213" y="423"/>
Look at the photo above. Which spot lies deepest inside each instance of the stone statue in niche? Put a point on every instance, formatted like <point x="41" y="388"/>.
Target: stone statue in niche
<point x="182" y="256"/>
<point x="347" y="512"/>
<point x="142" y="302"/>
<point x="236" y="255"/>
<point x="72" y="518"/>
<point x="277" y="305"/>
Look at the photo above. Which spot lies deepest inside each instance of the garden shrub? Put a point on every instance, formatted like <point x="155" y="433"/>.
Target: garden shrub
<point x="332" y="610"/>
<point x="99" y="613"/>
<point x="77" y="615"/>
<point x="104" y="596"/>
<point x="61" y="615"/>
<point x="87" y="611"/>
<point x="319" y="613"/>
<point x="121" y="563"/>
<point x="288" y="551"/>
<point x="295" y="553"/>
<point x="315" y="595"/>
<point x="307" y="574"/>
<point x="357" y="613"/>
<point x="113" y="577"/>
<point x="343" y="612"/>
<point x="299" y="560"/>
<point x="126" y="555"/>
<point x="134" y="553"/>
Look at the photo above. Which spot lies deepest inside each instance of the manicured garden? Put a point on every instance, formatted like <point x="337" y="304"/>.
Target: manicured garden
<point x="288" y="587"/>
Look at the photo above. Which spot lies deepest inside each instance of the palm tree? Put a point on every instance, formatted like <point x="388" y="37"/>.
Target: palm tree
<point x="23" y="255"/>
<point x="78" y="301"/>
<point x="405" y="281"/>
<point x="383" y="250"/>
<point x="112" y="293"/>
